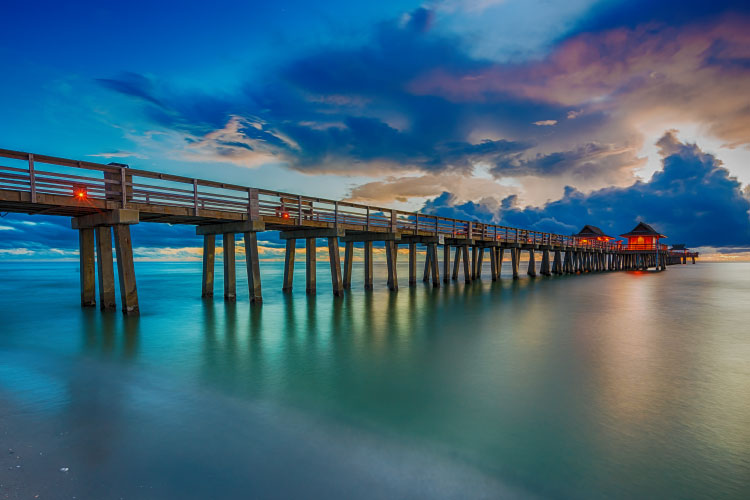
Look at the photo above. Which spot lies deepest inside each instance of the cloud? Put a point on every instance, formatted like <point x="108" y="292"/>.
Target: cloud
<point x="601" y="161"/>
<point x="402" y="189"/>
<point x="349" y="110"/>
<point x="121" y="154"/>
<point x="693" y="72"/>
<point x="412" y="101"/>
<point x="693" y="200"/>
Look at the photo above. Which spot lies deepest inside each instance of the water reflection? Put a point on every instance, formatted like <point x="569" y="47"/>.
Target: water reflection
<point x="631" y="378"/>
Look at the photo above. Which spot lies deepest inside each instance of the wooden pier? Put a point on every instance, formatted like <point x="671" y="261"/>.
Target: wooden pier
<point x="105" y="200"/>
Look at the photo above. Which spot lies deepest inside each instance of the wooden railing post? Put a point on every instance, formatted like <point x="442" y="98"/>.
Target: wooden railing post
<point x="124" y="187"/>
<point x="32" y="178"/>
<point x="195" y="196"/>
<point x="253" y="204"/>
<point x="299" y="210"/>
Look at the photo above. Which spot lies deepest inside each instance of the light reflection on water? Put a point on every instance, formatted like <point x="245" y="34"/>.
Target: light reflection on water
<point x="619" y="385"/>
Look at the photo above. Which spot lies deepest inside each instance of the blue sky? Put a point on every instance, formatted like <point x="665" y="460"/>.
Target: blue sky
<point x="511" y="110"/>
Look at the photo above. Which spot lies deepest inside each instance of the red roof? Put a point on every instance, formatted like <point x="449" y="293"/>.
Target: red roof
<point x="643" y="229"/>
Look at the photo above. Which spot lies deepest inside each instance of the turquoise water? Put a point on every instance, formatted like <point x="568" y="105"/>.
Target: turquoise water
<point x="616" y="385"/>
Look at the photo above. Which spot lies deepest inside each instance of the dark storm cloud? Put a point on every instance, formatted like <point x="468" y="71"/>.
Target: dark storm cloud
<point x="630" y="13"/>
<point x="693" y="200"/>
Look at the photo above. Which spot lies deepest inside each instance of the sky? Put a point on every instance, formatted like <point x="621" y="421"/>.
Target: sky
<point x="541" y="114"/>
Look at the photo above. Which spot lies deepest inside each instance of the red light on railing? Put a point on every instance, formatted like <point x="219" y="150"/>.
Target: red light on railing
<point x="285" y="215"/>
<point x="80" y="193"/>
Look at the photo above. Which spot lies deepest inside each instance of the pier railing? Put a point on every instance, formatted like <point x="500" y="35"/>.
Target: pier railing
<point x="48" y="175"/>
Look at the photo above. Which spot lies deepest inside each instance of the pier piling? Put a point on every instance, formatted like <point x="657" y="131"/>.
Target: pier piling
<point x="252" y="261"/>
<point x="126" y="269"/>
<point x="230" y="268"/>
<point x="88" y="267"/>
<point x="105" y="268"/>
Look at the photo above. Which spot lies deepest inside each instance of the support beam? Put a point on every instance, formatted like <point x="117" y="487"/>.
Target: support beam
<point x="427" y="264"/>
<point x="545" y="269"/>
<point x="456" y="263"/>
<point x="126" y="269"/>
<point x="446" y="263"/>
<point x="87" y="267"/>
<point x="348" y="260"/>
<point x="231" y="227"/>
<point x="333" y="232"/>
<point x="108" y="218"/>
<point x="434" y="265"/>
<point x="493" y="263"/>
<point x="105" y="268"/>
<point x="290" y="253"/>
<point x="480" y="261"/>
<point x="499" y="256"/>
<point x="391" y="253"/>
<point x="310" y="261"/>
<point x="515" y="254"/>
<point x="467" y="263"/>
<point x="230" y="268"/>
<point x="252" y="262"/>
<point x="474" y="258"/>
<point x="368" y="265"/>
<point x="532" y="264"/>
<point x="209" y="259"/>
<point x="334" y="257"/>
<point x="412" y="264"/>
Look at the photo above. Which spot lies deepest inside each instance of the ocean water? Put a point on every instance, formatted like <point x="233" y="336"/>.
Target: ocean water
<point x="611" y="385"/>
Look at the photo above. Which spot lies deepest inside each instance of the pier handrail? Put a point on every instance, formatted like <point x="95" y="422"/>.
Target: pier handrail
<point x="126" y="185"/>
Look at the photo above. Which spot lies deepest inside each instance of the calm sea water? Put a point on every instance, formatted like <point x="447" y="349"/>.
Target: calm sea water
<point x="621" y="385"/>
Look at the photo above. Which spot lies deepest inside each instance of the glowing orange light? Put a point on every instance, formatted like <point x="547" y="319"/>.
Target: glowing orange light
<point x="285" y="215"/>
<point x="80" y="194"/>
